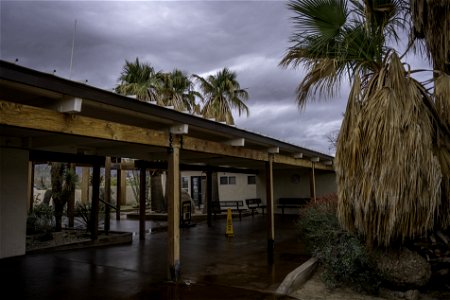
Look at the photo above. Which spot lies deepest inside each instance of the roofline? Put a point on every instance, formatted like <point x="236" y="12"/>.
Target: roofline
<point x="47" y="81"/>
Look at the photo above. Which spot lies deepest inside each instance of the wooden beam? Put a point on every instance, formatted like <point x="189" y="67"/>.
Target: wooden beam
<point x="43" y="119"/>
<point x="173" y="218"/>
<point x="25" y="116"/>
<point x="79" y="159"/>
<point x="305" y="163"/>
<point x="198" y="145"/>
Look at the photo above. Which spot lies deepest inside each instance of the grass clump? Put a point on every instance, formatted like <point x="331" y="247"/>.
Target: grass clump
<point x="343" y="255"/>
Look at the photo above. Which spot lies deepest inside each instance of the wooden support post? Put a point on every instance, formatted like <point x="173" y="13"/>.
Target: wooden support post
<point x="118" y="190"/>
<point x="30" y="185"/>
<point x="85" y="184"/>
<point x="209" y="186"/>
<point x="173" y="200"/>
<point x="95" y="201"/>
<point x="270" y="210"/>
<point x="312" y="183"/>
<point x="142" y="190"/>
<point x="107" y="193"/>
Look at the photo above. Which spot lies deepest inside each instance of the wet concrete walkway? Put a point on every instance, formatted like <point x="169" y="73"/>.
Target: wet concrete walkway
<point x="212" y="266"/>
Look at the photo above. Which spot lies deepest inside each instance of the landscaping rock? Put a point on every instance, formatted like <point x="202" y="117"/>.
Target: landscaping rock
<point x="403" y="269"/>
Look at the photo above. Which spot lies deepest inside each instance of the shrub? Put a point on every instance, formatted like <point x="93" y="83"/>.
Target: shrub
<point x="342" y="254"/>
<point x="41" y="219"/>
<point x="83" y="211"/>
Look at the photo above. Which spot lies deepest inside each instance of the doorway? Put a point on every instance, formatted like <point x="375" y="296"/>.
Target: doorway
<point x="198" y="184"/>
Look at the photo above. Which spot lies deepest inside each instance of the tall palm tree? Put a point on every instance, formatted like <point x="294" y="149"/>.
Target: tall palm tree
<point x="176" y="89"/>
<point x="388" y="174"/>
<point x="136" y="79"/>
<point x="222" y="93"/>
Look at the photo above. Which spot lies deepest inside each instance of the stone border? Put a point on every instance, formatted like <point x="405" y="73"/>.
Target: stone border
<point x="115" y="238"/>
<point x="296" y="278"/>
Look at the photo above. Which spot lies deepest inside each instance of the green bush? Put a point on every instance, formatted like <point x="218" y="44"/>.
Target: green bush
<point x="342" y="254"/>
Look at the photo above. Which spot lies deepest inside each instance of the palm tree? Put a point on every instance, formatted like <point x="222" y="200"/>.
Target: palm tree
<point x="387" y="170"/>
<point x="429" y="18"/>
<point x="63" y="179"/>
<point x="137" y="79"/>
<point x="222" y="93"/>
<point x="176" y="89"/>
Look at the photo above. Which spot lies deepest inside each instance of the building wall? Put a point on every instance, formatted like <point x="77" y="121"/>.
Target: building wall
<point x="291" y="183"/>
<point x="325" y="184"/>
<point x="240" y="190"/>
<point x="295" y="183"/>
<point x="13" y="201"/>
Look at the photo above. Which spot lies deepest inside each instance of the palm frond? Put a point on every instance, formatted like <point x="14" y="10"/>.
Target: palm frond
<point x="221" y="94"/>
<point x="389" y="176"/>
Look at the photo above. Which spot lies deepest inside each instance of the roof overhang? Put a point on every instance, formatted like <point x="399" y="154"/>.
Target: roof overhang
<point x="109" y="124"/>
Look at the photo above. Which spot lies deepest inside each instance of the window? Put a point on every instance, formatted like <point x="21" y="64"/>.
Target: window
<point x="251" y="179"/>
<point x="185" y="183"/>
<point x="223" y="180"/>
<point x="227" y="180"/>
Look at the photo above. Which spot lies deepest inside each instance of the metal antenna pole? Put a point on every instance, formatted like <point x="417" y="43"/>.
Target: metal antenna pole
<point x="73" y="46"/>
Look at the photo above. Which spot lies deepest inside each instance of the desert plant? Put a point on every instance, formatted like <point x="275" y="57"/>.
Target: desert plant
<point x="41" y="219"/>
<point x="83" y="212"/>
<point x="342" y="254"/>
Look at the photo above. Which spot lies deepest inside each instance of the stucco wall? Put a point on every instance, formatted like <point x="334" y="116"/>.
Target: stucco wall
<point x="325" y="184"/>
<point x="13" y="201"/>
<point x="239" y="191"/>
<point x="295" y="183"/>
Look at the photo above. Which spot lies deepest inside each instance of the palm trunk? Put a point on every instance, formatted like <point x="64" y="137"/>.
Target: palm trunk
<point x="156" y="191"/>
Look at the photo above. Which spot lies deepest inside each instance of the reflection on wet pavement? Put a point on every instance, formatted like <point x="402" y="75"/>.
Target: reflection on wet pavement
<point x="212" y="266"/>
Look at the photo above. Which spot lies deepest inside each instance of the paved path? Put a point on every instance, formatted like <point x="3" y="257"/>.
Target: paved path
<point x="212" y="266"/>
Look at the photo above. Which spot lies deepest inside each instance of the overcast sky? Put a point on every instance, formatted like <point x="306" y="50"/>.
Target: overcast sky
<point x="200" y="37"/>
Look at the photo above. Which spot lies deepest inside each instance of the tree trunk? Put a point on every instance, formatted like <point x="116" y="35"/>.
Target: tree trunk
<point x="57" y="177"/>
<point x="157" y="196"/>
<point x="71" y="199"/>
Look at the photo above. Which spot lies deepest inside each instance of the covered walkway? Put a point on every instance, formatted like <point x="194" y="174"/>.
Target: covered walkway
<point x="47" y="118"/>
<point x="214" y="267"/>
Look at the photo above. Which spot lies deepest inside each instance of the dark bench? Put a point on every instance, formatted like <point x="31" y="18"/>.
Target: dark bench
<point x="292" y="203"/>
<point x="254" y="204"/>
<point x="222" y="206"/>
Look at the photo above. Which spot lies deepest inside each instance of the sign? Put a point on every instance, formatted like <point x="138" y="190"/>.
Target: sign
<point x="229" y="230"/>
